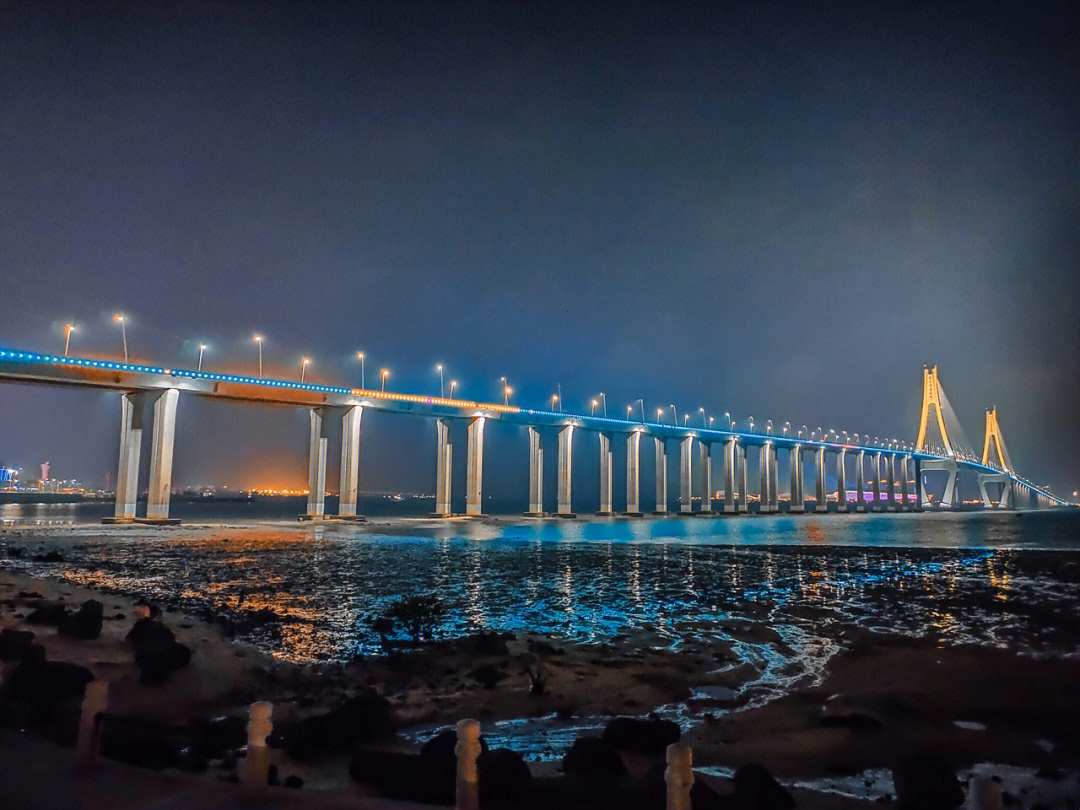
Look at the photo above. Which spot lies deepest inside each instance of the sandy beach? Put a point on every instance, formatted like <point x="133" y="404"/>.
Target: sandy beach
<point x="879" y="698"/>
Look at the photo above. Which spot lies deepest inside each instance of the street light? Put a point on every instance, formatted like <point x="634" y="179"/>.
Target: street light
<point x="702" y="417"/>
<point x="554" y="400"/>
<point x="768" y="428"/>
<point x="603" y="400"/>
<point x="710" y="422"/>
<point x="202" y="348"/>
<point x="259" y="339"/>
<point x="674" y="416"/>
<point x="442" y="387"/>
<point x="453" y="385"/>
<point x="119" y="318"/>
<point x="384" y="374"/>
<point x="642" y="402"/>
<point x="751" y="424"/>
<point x="506" y="396"/>
<point x="629" y="410"/>
<point x="360" y="357"/>
<point x="659" y="415"/>
<point x="787" y="427"/>
<point x="685" y="419"/>
<point x="67" y="337"/>
<point x="303" y="368"/>
<point x="593" y="411"/>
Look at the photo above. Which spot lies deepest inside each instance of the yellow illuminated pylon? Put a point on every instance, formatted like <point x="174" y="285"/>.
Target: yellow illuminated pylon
<point x="993" y="433"/>
<point x="932" y="396"/>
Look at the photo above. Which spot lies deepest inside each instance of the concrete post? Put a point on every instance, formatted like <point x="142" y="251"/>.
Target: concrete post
<point x="706" y="478"/>
<point x="316" y="503"/>
<point x="95" y="702"/>
<point x="798" y="501"/>
<point x="661" y="476"/>
<point x="257" y="760"/>
<point x="890" y="466"/>
<point x="768" y="479"/>
<point x="860" y="481"/>
<point x="920" y="488"/>
<point x="444" y="466"/>
<point x="744" y="487"/>
<point x="474" y="467"/>
<point x="350" y="461"/>
<point x="633" y="474"/>
<point x="686" y="475"/>
<point x="536" y="473"/>
<point x="819" y="483"/>
<point x="566" y="462"/>
<point x="731" y="453"/>
<point x="841" y="480"/>
<point x="679" y="776"/>
<point x="606" y="462"/>
<point x="161" y="455"/>
<point x="903" y="483"/>
<point x="877" y="482"/>
<point x="127" y="476"/>
<point x="467" y="750"/>
<point x="774" y="488"/>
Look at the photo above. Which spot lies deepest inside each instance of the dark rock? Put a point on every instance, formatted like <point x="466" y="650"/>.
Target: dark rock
<point x="590" y="756"/>
<point x="49" y="557"/>
<point x="848" y="718"/>
<point x="214" y="738"/>
<point x="505" y="779"/>
<point x="487" y="675"/>
<point x="44" y="683"/>
<point x="85" y="623"/>
<point x="157" y="652"/>
<point x="30" y="595"/>
<point x="292" y="781"/>
<point x="142" y="741"/>
<point x="367" y="716"/>
<point x="645" y="737"/>
<point x="486" y="644"/>
<point x="15" y="644"/>
<point x="756" y="789"/>
<point x="54" y="615"/>
<point x="15" y="552"/>
<point x="271" y="775"/>
<point x="926" y="782"/>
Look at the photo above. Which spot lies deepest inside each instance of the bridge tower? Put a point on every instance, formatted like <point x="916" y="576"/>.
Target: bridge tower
<point x="994" y="441"/>
<point x="932" y="400"/>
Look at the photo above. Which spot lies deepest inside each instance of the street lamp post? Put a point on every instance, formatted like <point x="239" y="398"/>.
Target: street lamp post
<point x="768" y="428"/>
<point x="453" y="385"/>
<point x="506" y="396"/>
<point x="259" y="340"/>
<point x="554" y="401"/>
<point x="442" y="387"/>
<point x="119" y="318"/>
<point x="360" y="357"/>
<point x="703" y="424"/>
<point x="642" y="402"/>
<point x="674" y="416"/>
<point x="202" y="348"/>
<point x="629" y="410"/>
<point x="67" y="337"/>
<point x="303" y="368"/>
<point x="603" y="400"/>
<point x="383" y="374"/>
<point x="787" y="427"/>
<point x="659" y="415"/>
<point x="559" y="386"/>
<point x="592" y="411"/>
<point x="751" y="420"/>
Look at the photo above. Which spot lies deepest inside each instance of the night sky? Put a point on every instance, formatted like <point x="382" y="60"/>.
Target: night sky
<point x="769" y="210"/>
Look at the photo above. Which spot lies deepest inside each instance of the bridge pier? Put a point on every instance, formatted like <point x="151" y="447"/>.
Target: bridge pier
<point x="995" y="478"/>
<point x="798" y="500"/>
<point x="161" y="455"/>
<point x="841" y="480"/>
<point x="744" y="486"/>
<point x="349" y="483"/>
<point x="606" y="463"/>
<point x="474" y="472"/>
<point x="566" y="458"/>
<point x="950" y="467"/>
<point x="706" y="478"/>
<point x="317" y="439"/>
<point x="916" y="466"/>
<point x="686" y="475"/>
<point x="127" y="476"/>
<point x="860" y="481"/>
<point x="878" y="506"/>
<point x="731" y="453"/>
<point x="903" y="483"/>
<point x="890" y="467"/>
<point x="633" y="474"/>
<point x="819" y="483"/>
<point x="767" y="462"/>
<point x="661" y="476"/>
<point x="444" y="466"/>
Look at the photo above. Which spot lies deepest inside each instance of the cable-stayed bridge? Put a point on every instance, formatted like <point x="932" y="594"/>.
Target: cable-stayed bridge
<point x="889" y="478"/>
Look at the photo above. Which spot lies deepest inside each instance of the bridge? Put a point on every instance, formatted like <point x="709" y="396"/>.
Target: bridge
<point x="897" y="473"/>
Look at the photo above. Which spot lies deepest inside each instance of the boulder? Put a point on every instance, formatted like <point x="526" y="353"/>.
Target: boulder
<point x="646" y="737"/>
<point x="215" y="738"/>
<point x="142" y="741"/>
<point x="15" y="644"/>
<point x="85" y="623"/>
<point x="505" y="779"/>
<point x="927" y="782"/>
<point x="45" y="684"/>
<point x="157" y="652"/>
<point x="368" y="716"/>
<point x="756" y="789"/>
<point x="591" y="756"/>
<point x="486" y="644"/>
<point x="53" y="614"/>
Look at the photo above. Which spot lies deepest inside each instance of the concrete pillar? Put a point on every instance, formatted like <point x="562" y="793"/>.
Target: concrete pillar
<point x="606" y="462"/>
<point x="350" y="461"/>
<point x="903" y="482"/>
<point x="706" y="478"/>
<point x="316" y="503"/>
<point x="679" y="777"/>
<point x="798" y="500"/>
<point x="566" y="462"/>
<point x="819" y="482"/>
<point x="686" y="475"/>
<point x="744" y="488"/>
<point x="444" y="467"/>
<point x="536" y="473"/>
<point x="841" y="480"/>
<point x="256" y="765"/>
<point x="877" y="482"/>
<point x="633" y="474"/>
<point x="920" y="488"/>
<point x="860" y="481"/>
<point x="474" y="466"/>
<point x="127" y="476"/>
<point x="467" y="751"/>
<point x="890" y="466"/>
<point x="661" y="476"/>
<point x="731" y="453"/>
<point x="161" y="455"/>
<point x="774" y="489"/>
<point x="768" y="479"/>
